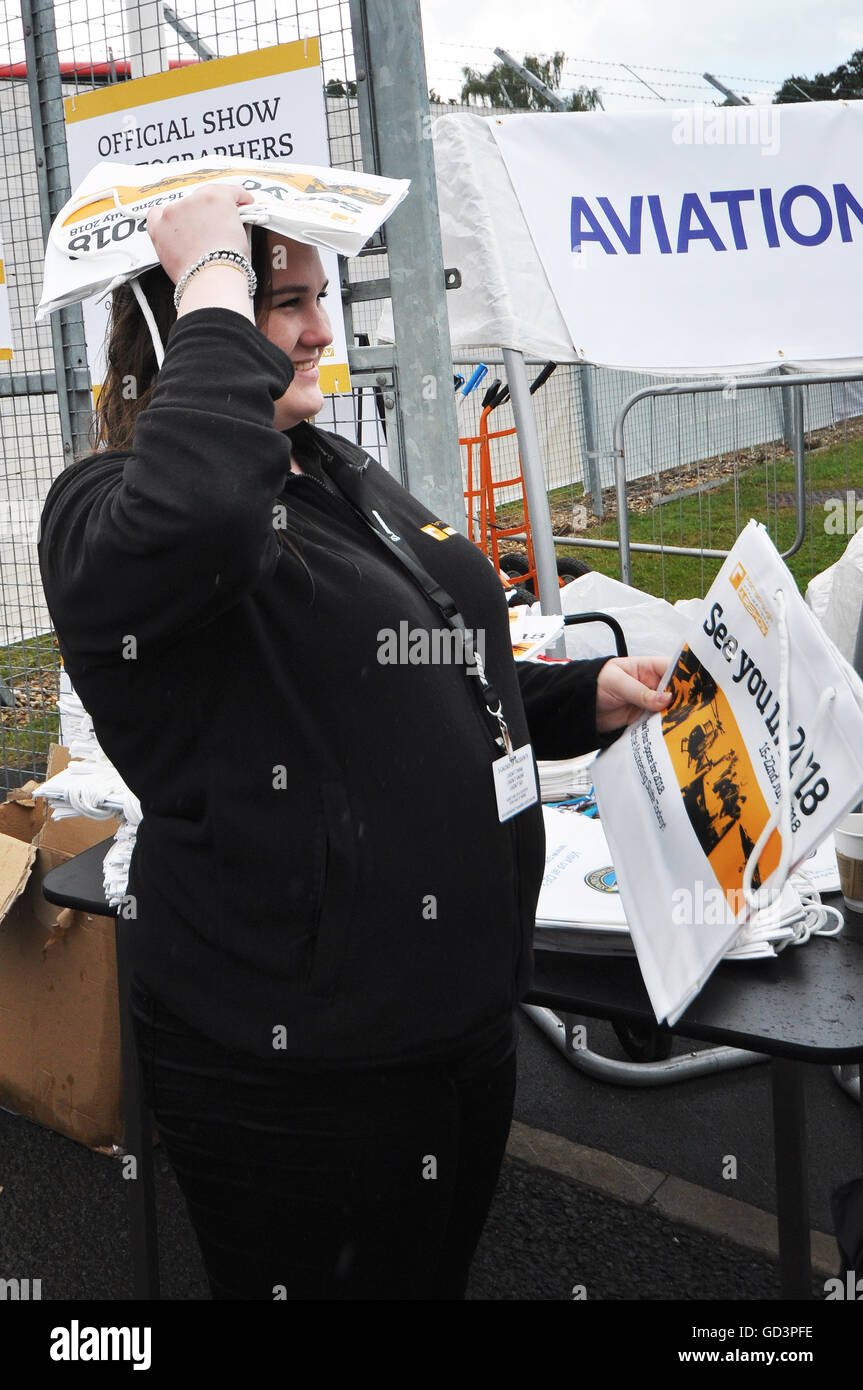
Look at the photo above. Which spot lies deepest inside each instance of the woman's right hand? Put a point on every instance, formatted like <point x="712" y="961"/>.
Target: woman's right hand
<point x="202" y="221"/>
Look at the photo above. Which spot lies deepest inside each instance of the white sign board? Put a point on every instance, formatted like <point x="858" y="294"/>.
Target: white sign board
<point x="708" y="237"/>
<point x="266" y="105"/>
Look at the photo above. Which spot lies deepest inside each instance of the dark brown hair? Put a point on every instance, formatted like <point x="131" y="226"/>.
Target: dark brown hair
<point x="132" y="371"/>
<point x="131" y="357"/>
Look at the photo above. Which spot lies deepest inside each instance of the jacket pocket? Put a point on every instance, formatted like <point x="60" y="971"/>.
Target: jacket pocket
<point x="338" y="892"/>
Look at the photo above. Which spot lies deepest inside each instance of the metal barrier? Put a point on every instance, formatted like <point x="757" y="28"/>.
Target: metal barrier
<point x="684" y="440"/>
<point x="795" y="386"/>
<point x="786" y="449"/>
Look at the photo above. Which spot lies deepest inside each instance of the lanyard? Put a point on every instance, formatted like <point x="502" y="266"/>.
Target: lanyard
<point x="448" y="610"/>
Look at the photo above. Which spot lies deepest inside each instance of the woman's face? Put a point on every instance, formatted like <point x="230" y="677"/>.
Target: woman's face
<point x="293" y="317"/>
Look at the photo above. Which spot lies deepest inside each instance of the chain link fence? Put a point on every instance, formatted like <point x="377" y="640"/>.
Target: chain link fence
<point x="698" y="466"/>
<point x="32" y="445"/>
<point x="101" y="42"/>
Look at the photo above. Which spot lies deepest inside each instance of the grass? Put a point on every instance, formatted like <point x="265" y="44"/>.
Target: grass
<point x="24" y="664"/>
<point x="33" y="654"/>
<point x="719" y="512"/>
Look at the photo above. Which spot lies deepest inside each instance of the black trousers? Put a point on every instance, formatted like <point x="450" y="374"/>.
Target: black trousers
<point x="371" y="1184"/>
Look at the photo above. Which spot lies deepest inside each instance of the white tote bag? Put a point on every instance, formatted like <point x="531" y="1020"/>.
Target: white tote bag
<point x="708" y="805"/>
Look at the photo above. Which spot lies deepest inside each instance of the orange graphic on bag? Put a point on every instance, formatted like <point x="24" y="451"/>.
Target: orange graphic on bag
<point x="721" y="794"/>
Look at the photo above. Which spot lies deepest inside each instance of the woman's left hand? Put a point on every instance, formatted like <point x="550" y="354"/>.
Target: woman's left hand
<point x="626" y="687"/>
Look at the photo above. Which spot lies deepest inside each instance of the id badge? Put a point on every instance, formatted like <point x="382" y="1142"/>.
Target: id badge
<point x="514" y="782"/>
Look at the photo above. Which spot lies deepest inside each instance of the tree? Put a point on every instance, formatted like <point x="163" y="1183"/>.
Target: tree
<point x="844" y="81"/>
<point x="436" y="100"/>
<point x="336" y="88"/>
<point x="501" y="86"/>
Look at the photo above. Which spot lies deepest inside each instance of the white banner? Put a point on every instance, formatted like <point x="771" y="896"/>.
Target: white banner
<point x="504" y="298"/>
<point x="266" y="105"/>
<point x="710" y="237"/>
<point x="5" y="323"/>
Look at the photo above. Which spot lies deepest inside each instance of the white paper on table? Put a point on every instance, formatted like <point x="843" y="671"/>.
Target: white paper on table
<point x="579" y="885"/>
<point x="580" y="908"/>
<point x="531" y="633"/>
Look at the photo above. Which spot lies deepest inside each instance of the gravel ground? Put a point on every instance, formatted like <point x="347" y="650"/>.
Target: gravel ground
<point x="546" y="1234"/>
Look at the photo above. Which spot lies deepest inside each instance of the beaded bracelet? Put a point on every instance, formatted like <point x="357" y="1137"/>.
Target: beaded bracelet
<point x="236" y="259"/>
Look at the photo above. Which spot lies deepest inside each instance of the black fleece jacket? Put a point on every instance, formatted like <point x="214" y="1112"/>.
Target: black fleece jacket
<point x="321" y="877"/>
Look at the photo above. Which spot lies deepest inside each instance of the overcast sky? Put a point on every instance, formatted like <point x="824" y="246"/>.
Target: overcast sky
<point x="753" y="45"/>
<point x="757" y="42"/>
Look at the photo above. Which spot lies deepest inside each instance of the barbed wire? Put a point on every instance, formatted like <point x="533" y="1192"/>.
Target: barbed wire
<point x="629" y="86"/>
<point x="614" y="63"/>
<point x="692" y="95"/>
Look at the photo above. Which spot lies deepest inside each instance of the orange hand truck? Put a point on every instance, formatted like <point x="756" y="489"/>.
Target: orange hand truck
<point x="484" y="527"/>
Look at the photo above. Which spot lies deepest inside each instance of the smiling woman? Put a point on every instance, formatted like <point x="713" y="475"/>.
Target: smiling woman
<point x="329" y="945"/>
<point x="292" y="316"/>
<point x="288" y="308"/>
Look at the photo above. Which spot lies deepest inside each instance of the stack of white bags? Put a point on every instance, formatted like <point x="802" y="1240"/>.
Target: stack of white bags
<point x="92" y="786"/>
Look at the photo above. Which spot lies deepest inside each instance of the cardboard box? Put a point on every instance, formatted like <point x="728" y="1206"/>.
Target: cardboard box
<point x="59" y="1019"/>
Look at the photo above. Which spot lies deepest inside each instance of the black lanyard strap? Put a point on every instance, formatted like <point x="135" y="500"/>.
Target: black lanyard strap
<point x="446" y="606"/>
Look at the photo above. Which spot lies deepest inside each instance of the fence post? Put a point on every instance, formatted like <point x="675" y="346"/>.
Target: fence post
<point x="788" y="415"/>
<point x="389" y="60"/>
<point x="534" y="482"/>
<point x="593" y="478"/>
<point x="52" y="174"/>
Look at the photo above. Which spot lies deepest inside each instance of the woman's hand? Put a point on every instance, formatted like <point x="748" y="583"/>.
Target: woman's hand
<point x="202" y="221"/>
<point x="626" y="687"/>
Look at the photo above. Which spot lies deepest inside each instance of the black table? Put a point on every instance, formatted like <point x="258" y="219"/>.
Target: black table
<point x="804" y="1007"/>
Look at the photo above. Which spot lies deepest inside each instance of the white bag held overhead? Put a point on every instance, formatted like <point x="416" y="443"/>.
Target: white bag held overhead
<point x="99" y="238"/>
<point x="711" y="803"/>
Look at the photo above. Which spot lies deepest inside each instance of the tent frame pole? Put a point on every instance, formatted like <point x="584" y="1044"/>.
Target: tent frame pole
<point x="534" y="481"/>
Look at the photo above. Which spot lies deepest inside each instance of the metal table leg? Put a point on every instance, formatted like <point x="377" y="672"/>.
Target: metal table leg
<point x="792" y="1194"/>
<point x="138" y="1125"/>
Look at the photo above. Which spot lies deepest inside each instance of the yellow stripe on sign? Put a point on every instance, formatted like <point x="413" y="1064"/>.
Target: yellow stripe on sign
<point x="2" y="274"/>
<point x="5" y="354"/>
<point x="198" y="77"/>
<point x="334" y="378"/>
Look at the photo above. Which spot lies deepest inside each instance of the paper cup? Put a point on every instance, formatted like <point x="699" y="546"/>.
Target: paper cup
<point x="848" y="835"/>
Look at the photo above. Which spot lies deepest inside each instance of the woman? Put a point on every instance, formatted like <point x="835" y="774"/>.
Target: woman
<point x="333" y="921"/>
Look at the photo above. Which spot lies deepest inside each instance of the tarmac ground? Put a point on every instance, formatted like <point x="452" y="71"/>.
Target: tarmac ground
<point x="569" y="1223"/>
